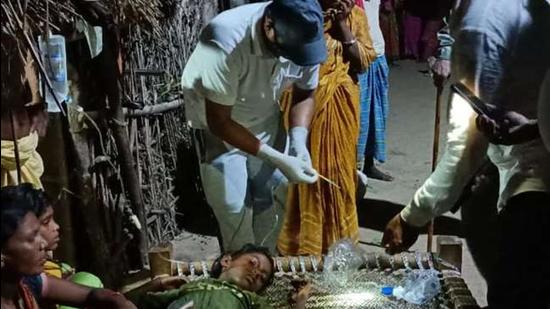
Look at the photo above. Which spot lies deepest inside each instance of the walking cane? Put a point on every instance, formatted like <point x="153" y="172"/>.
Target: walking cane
<point x="435" y="151"/>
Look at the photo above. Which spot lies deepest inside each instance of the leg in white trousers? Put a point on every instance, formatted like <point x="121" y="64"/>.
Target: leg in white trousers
<point x="240" y="187"/>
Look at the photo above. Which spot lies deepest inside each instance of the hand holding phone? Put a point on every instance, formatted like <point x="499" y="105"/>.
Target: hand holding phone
<point x="511" y="128"/>
<point x="500" y="126"/>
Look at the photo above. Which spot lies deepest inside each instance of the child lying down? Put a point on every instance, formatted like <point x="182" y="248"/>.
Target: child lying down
<point x="236" y="278"/>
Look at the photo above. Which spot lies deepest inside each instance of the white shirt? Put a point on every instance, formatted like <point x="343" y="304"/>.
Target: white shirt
<point x="372" y="9"/>
<point x="231" y="66"/>
<point x="502" y="52"/>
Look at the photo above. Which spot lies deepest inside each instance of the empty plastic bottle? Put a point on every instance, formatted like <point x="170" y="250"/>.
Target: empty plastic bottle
<point x="420" y="287"/>
<point x="54" y="58"/>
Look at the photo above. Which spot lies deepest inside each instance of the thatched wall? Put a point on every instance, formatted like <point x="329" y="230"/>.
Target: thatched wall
<point x="86" y="161"/>
<point x="153" y="68"/>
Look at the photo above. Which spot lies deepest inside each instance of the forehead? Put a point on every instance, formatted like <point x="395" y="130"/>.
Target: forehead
<point x="28" y="225"/>
<point x="48" y="212"/>
<point x="265" y="263"/>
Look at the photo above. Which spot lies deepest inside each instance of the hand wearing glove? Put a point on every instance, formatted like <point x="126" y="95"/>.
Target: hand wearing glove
<point x="295" y="169"/>
<point x="298" y="148"/>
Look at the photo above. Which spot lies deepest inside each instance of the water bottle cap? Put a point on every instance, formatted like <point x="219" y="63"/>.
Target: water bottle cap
<point x="387" y="290"/>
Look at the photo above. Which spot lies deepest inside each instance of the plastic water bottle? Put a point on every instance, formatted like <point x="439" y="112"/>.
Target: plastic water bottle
<point x="420" y="287"/>
<point x="54" y="58"/>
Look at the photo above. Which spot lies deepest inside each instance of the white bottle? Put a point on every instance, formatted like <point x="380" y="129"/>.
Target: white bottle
<point x="54" y="58"/>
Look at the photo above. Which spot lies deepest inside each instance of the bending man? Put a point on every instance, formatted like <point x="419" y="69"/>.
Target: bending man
<point x="232" y="82"/>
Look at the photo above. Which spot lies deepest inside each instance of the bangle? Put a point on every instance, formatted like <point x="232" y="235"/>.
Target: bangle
<point x="349" y="43"/>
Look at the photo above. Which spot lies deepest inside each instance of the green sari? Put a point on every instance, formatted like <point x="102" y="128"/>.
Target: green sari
<point x="205" y="294"/>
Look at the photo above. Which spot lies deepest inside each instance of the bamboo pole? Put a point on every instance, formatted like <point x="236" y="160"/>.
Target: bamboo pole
<point x="15" y="148"/>
<point x="155" y="109"/>
<point x="117" y="122"/>
<point x="149" y="110"/>
<point x="101" y="256"/>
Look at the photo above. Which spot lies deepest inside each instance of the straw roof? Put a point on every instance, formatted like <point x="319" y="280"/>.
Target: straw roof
<point x="37" y="16"/>
<point x="24" y="20"/>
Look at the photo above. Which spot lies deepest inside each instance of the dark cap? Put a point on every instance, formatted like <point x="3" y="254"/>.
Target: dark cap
<point x="299" y="30"/>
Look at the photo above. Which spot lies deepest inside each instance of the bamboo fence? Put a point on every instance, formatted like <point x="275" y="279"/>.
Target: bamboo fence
<point x="125" y="158"/>
<point x="153" y="66"/>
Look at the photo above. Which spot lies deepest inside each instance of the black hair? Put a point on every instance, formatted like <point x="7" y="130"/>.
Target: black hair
<point x="216" y="269"/>
<point x="17" y="202"/>
<point x="40" y="208"/>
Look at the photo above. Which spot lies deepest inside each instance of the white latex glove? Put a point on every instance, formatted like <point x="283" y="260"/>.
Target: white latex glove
<point x="296" y="170"/>
<point x="298" y="148"/>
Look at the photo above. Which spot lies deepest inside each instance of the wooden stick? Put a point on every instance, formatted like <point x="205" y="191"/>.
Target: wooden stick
<point x="435" y="153"/>
<point x="110" y="76"/>
<point x="435" y="148"/>
<point x="15" y="148"/>
<point x="156" y="109"/>
<point x="330" y="181"/>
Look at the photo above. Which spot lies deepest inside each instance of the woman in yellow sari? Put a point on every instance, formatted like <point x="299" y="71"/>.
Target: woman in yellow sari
<point x="320" y="214"/>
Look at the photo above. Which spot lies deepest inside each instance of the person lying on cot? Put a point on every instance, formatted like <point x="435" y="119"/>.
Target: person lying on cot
<point x="236" y="280"/>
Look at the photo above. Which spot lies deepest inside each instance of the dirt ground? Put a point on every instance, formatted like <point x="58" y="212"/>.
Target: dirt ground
<point x="410" y="135"/>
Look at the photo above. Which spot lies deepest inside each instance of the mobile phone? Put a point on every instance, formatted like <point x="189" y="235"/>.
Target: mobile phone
<point x="478" y="105"/>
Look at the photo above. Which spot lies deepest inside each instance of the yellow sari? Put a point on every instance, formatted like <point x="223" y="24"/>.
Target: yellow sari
<point x="320" y="214"/>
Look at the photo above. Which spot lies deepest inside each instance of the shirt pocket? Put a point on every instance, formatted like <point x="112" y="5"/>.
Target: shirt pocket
<point x="286" y="75"/>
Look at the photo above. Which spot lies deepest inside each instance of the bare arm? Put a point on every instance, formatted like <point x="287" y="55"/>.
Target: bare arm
<point x="351" y="26"/>
<point x="220" y="124"/>
<point x="68" y="293"/>
<point x="164" y="283"/>
<point x="351" y="51"/>
<point x="302" y="109"/>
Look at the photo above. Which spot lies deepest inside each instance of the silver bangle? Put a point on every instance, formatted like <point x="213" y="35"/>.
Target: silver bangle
<point x="350" y="43"/>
